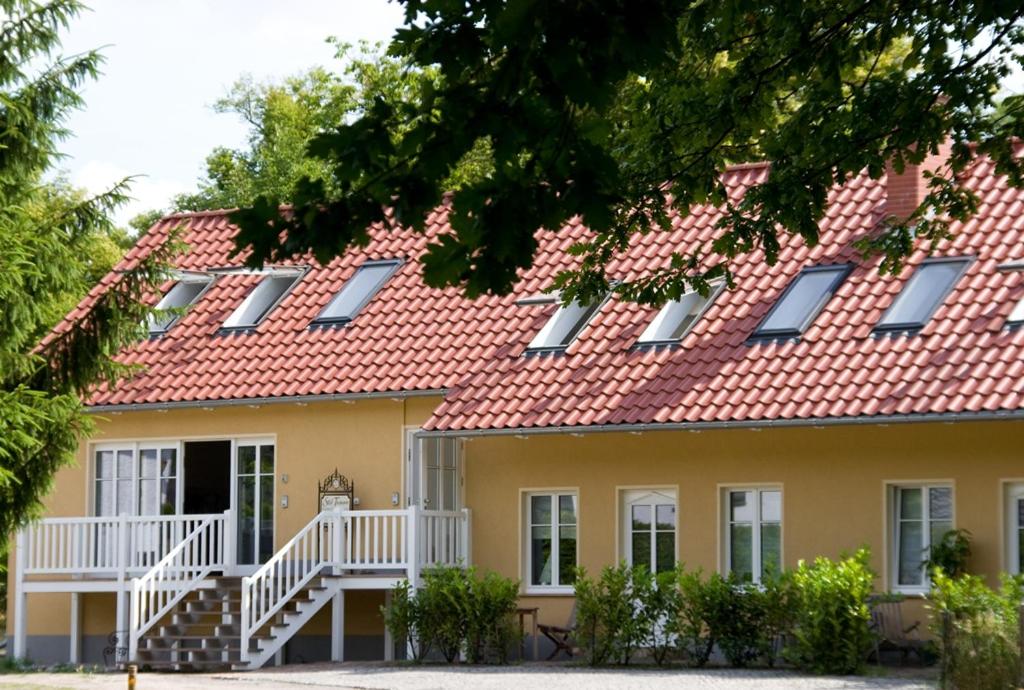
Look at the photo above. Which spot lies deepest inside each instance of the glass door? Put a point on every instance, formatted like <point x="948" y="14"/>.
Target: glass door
<point x="441" y="474"/>
<point x="254" y="471"/>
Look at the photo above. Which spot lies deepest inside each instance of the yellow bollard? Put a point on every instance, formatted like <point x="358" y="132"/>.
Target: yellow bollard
<point x="132" y="670"/>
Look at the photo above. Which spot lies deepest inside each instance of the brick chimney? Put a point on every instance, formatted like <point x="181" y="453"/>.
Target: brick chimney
<point x="905" y="191"/>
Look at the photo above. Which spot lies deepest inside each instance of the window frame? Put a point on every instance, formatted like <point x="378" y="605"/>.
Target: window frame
<point x="136" y="448"/>
<point x="715" y="289"/>
<point x="595" y="309"/>
<point x="893" y="489"/>
<point x="526" y="530"/>
<point x="842" y="272"/>
<point x="296" y="278"/>
<point x="1013" y="526"/>
<point x="393" y="264"/>
<point x="882" y="327"/>
<point x="635" y="495"/>
<point x="208" y="281"/>
<point x="725" y="522"/>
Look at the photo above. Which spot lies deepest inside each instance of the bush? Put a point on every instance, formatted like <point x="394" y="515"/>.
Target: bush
<point x="455" y="611"/>
<point x="693" y="639"/>
<point x="607" y="628"/>
<point x="831" y="626"/>
<point x="951" y="553"/>
<point x="660" y="600"/>
<point x="978" y="631"/>
<point x="734" y="613"/>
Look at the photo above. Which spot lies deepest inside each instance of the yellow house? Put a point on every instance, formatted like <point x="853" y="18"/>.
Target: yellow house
<point x="307" y="436"/>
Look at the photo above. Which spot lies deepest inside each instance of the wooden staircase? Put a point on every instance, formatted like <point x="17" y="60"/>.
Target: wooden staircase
<point x="203" y="632"/>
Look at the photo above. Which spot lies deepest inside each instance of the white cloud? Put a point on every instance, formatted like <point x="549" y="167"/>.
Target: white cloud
<point x="147" y="192"/>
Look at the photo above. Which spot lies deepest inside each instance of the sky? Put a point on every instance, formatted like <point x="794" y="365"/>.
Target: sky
<point x="150" y="114"/>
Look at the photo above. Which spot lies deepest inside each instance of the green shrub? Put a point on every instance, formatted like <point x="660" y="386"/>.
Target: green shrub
<point x="831" y="626"/>
<point x="659" y="599"/>
<point x="978" y="631"/>
<point x="455" y="611"/>
<point x="693" y="639"/>
<point x="951" y="553"/>
<point x="734" y="613"/>
<point x="607" y="629"/>
<point x="778" y="613"/>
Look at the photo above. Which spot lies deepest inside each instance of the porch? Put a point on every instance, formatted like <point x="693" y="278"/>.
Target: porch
<point x="164" y="569"/>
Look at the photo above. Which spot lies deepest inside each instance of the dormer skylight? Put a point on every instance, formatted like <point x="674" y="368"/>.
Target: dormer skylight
<point x="564" y="325"/>
<point x="677" y="317"/>
<point x="184" y="293"/>
<point x="264" y="297"/>
<point x="922" y="294"/>
<point x="802" y="301"/>
<point x="357" y="291"/>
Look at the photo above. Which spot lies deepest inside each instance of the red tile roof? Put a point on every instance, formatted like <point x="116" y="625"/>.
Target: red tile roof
<point x="414" y="338"/>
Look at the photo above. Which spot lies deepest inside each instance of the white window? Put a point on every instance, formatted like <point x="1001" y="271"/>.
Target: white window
<point x="802" y="301"/>
<point x="1017" y="315"/>
<point x="677" y="317"/>
<point x="441" y="474"/>
<point x="184" y="293"/>
<point x="551" y="540"/>
<point x="649" y="529"/>
<point x="262" y="299"/>
<point x="923" y="294"/>
<point x="753" y="532"/>
<point x="564" y="325"/>
<point x="136" y="479"/>
<point x="358" y="291"/>
<point x="921" y="515"/>
<point x="1015" y="528"/>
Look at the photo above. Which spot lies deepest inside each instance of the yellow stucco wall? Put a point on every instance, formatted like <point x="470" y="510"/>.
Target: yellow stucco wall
<point x="833" y="482"/>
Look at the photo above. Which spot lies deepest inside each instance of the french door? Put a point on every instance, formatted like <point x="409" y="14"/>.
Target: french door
<point x="434" y="472"/>
<point x="254" y="498"/>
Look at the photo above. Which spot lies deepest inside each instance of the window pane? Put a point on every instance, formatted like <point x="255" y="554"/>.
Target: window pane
<point x="357" y="291"/>
<point x="181" y="295"/>
<point x="676" y="317"/>
<point x="564" y="324"/>
<point x="911" y="553"/>
<point x="540" y="555"/>
<point x="148" y="497"/>
<point x="169" y="462"/>
<point x="124" y="464"/>
<point x="741" y="506"/>
<point x="665" y="552"/>
<point x="267" y="459"/>
<point x="798" y="304"/>
<point x="641" y="551"/>
<point x="106" y="502"/>
<point x="433" y="481"/>
<point x="937" y="529"/>
<point x="431" y="452"/>
<point x="741" y="550"/>
<point x="450" y="488"/>
<point x="266" y="518"/>
<point x="247" y="519"/>
<point x="260" y="300"/>
<point x="940" y="503"/>
<point x="641" y="517"/>
<point x="540" y="510"/>
<point x="566" y="555"/>
<point x="125" y="504"/>
<point x="567" y="510"/>
<point x="910" y="504"/>
<point x="148" y="465"/>
<point x="771" y="548"/>
<point x="104" y="464"/>
<point x="246" y="459"/>
<point x="448" y="452"/>
<point x="771" y="506"/>
<point x="666" y="516"/>
<point x="168" y="496"/>
<point x="923" y="293"/>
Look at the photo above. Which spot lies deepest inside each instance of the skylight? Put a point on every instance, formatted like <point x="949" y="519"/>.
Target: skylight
<point x="1017" y="315"/>
<point x="923" y="294"/>
<point x="358" y="291"/>
<point x="184" y="293"/>
<point x="564" y="325"/>
<point x="262" y="299"/>
<point x="802" y="301"/>
<point x="677" y="317"/>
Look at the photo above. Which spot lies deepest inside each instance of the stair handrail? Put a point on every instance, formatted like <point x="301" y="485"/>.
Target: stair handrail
<point x="179" y="572"/>
<point x="266" y="591"/>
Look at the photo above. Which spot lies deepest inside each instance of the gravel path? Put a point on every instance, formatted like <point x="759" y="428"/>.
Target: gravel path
<point x="382" y="677"/>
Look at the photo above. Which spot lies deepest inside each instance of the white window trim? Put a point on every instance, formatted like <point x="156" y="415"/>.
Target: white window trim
<point x="1011" y="490"/>
<point x="526" y="562"/>
<point x="181" y="277"/>
<point x="231" y="322"/>
<point x="539" y="344"/>
<point x="254" y="441"/>
<point x="135" y="447"/>
<point x="892" y="530"/>
<point x="625" y="541"/>
<point x="715" y="289"/>
<point x="724" y="518"/>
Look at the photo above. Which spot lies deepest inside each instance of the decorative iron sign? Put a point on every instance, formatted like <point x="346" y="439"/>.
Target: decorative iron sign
<point x="335" y="492"/>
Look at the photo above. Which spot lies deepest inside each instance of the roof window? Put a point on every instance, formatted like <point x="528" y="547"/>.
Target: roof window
<point x="357" y="291"/>
<point x="264" y="297"/>
<point x="184" y="293"/>
<point x="923" y="294"/>
<point x="1017" y="315"/>
<point x="802" y="301"/>
<point x="677" y="317"/>
<point x="564" y="325"/>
